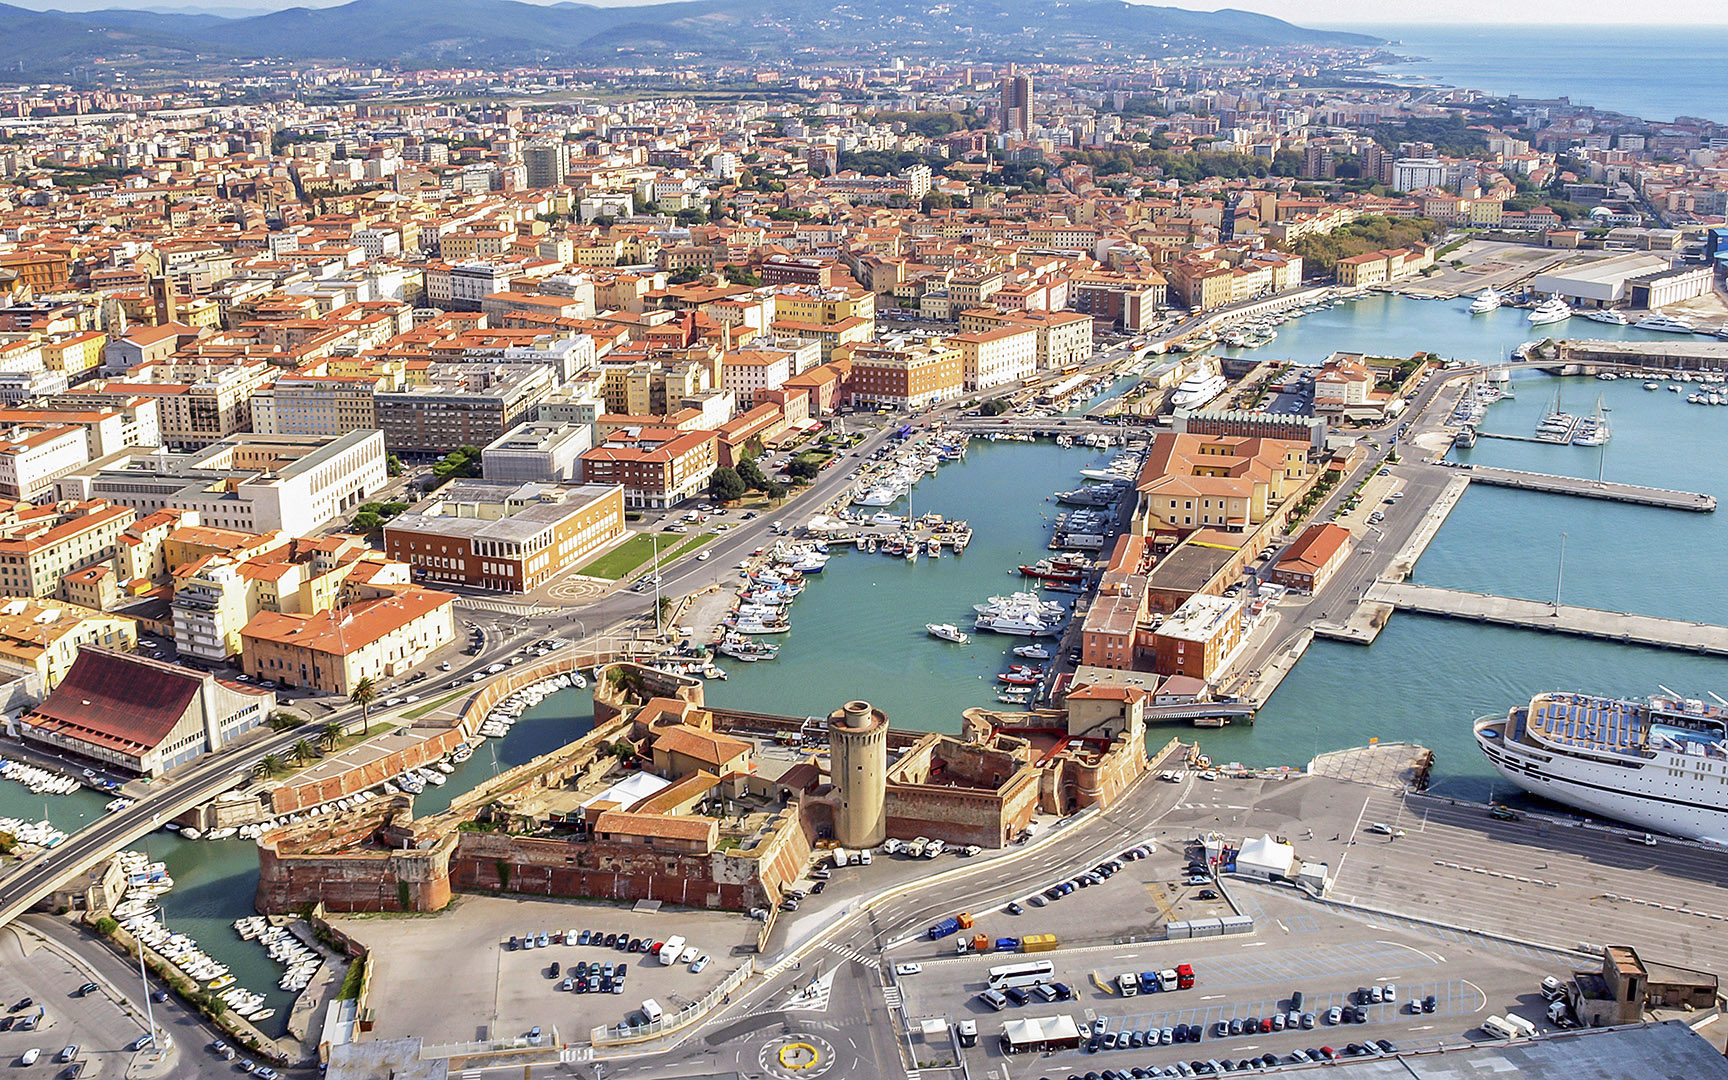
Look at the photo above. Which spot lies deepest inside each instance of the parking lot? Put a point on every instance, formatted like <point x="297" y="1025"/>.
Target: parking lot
<point x="459" y="981"/>
<point x="1330" y="957"/>
<point x="59" y="1016"/>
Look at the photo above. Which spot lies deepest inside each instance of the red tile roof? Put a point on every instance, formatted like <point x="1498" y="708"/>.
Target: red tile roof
<point x="126" y="703"/>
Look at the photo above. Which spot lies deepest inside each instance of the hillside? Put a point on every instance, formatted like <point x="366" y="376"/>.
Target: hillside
<point x="431" y="31"/>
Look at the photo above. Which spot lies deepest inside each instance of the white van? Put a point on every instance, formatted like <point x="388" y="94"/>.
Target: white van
<point x="1525" y="1027"/>
<point x="652" y="1010"/>
<point x="1499" y="1028"/>
<point x="670" y="950"/>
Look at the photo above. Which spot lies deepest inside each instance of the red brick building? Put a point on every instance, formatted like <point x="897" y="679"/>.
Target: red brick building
<point x="1314" y="557"/>
<point x="657" y="467"/>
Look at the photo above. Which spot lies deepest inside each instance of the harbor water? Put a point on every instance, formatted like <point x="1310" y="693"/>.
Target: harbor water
<point x="858" y="629"/>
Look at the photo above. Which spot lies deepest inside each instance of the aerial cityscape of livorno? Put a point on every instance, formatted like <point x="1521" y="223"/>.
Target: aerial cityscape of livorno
<point x="723" y="540"/>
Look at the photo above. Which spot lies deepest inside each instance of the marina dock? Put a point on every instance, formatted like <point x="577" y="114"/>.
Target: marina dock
<point x="1591" y="489"/>
<point x="1615" y="626"/>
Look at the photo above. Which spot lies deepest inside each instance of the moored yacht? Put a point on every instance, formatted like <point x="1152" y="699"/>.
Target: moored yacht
<point x="1667" y="324"/>
<point x="1551" y="310"/>
<point x="1198" y="389"/>
<point x="947" y="632"/>
<point x="1487" y="300"/>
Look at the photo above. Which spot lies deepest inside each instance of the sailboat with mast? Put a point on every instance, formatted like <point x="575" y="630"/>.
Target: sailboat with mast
<point x="1594" y="430"/>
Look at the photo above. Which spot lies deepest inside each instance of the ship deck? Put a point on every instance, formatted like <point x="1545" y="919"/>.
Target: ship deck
<point x="1577" y="720"/>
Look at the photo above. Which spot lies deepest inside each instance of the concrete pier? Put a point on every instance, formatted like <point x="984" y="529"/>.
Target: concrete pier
<point x="1613" y="626"/>
<point x="1591" y="489"/>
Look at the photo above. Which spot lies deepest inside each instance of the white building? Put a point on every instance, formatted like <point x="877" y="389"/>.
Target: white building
<point x="538" y="452"/>
<point x="33" y="457"/>
<point x="250" y="482"/>
<point x="748" y="372"/>
<point x="1602" y="283"/>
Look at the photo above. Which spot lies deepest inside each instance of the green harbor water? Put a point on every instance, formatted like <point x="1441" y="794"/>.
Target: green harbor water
<point x="858" y="630"/>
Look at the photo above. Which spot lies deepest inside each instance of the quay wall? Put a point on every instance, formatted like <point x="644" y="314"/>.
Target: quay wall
<point x="292" y="797"/>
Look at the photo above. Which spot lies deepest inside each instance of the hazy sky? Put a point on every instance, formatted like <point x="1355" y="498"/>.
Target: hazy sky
<point x="1301" y="12"/>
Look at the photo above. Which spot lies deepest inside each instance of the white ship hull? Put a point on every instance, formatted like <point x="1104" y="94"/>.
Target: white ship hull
<point x="1640" y="792"/>
<point x="1194" y="393"/>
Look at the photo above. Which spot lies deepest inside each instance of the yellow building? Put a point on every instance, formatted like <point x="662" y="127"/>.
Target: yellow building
<point x="1223" y="482"/>
<point x="377" y="637"/>
<point x="43" y="637"/>
<point x="74" y="354"/>
<point x="823" y="307"/>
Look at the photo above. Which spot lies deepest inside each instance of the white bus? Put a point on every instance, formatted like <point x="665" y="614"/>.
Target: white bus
<point x="1030" y="973"/>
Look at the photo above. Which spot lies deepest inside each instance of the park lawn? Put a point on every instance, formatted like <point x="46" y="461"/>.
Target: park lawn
<point x="628" y="557"/>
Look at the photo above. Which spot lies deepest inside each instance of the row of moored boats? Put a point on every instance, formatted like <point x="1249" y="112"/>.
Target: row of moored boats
<point x="501" y="718"/>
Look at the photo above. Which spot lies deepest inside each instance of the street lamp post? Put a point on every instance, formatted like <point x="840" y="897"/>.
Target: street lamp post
<point x="655" y="539"/>
<point x="1560" y="575"/>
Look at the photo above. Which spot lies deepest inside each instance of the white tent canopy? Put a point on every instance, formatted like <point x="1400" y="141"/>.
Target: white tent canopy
<point x="1038" y="1031"/>
<point x="1265" y="858"/>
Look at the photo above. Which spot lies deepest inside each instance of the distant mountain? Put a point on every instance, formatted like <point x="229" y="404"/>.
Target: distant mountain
<point x="37" y="42"/>
<point x="432" y="31"/>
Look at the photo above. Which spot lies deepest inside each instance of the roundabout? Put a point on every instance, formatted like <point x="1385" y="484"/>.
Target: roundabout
<point x="795" y="1055"/>
<point x="576" y="587"/>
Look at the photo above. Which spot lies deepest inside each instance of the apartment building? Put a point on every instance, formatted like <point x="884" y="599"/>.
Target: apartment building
<point x="656" y="467"/>
<point x="316" y="405"/>
<point x="40" y="545"/>
<point x="506" y="537"/>
<point x="748" y="372"/>
<point x="994" y="357"/>
<point x="43" y="639"/>
<point x="461" y="405"/>
<point x="33" y="456"/>
<point x="107" y="430"/>
<point x="901" y="373"/>
<point x="197" y="404"/>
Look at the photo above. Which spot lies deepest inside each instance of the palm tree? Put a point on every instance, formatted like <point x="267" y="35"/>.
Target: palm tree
<point x="330" y="733"/>
<point x="304" y="751"/>
<point x="268" y="766"/>
<point x="363" y="695"/>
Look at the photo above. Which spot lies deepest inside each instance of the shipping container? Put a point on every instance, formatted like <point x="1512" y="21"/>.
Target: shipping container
<point x="1038" y="943"/>
<point x="965" y="918"/>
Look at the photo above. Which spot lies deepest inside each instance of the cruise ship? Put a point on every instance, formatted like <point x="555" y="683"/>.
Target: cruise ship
<point x="1197" y="389"/>
<point x="1659" y="764"/>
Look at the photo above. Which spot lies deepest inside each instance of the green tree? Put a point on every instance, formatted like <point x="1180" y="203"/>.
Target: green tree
<point x="363" y="695"/>
<point x="742" y="275"/>
<point x="803" y="469"/>
<point x="304" y="751"/>
<point x="268" y="765"/>
<point x="726" y="485"/>
<point x="994" y="407"/>
<point x="751" y="473"/>
<point x="686" y="276"/>
<point x="393" y="465"/>
<point x="331" y="733"/>
<point x="775" y="491"/>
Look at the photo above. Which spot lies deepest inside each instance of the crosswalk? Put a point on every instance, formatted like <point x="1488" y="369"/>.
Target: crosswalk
<point x="812" y="996"/>
<point x="892" y="995"/>
<point x="852" y="954"/>
<point x="572" y="1055"/>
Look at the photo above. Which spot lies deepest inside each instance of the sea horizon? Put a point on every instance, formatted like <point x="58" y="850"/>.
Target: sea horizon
<point x="1657" y="73"/>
